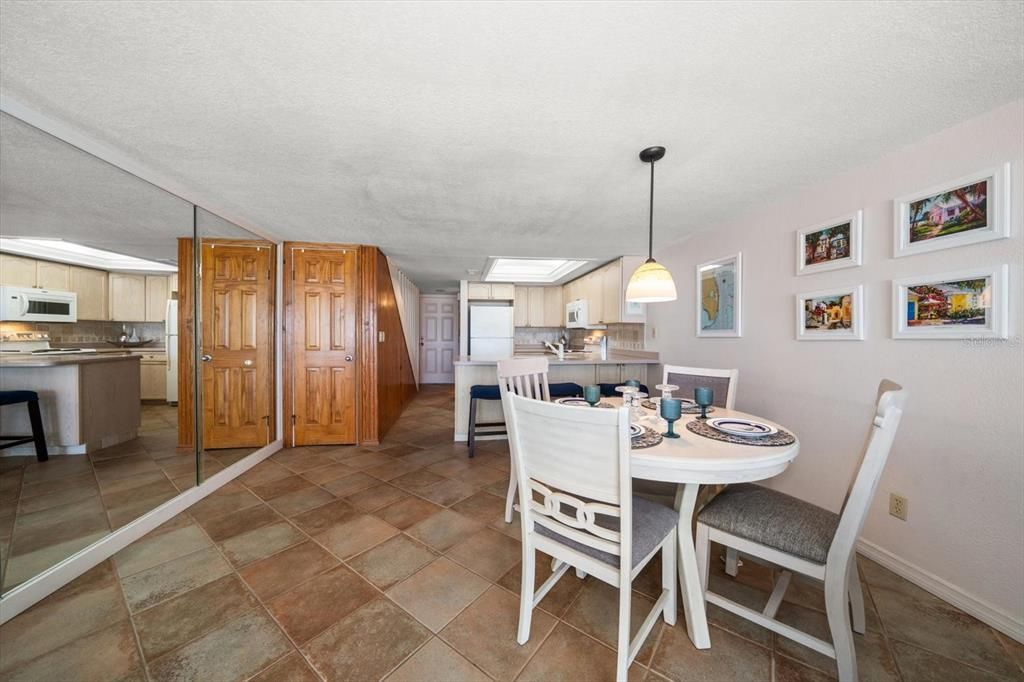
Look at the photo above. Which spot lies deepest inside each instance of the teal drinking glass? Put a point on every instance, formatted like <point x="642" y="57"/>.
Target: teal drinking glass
<point x="632" y="382"/>
<point x="671" y="411"/>
<point x="592" y="394"/>
<point x="703" y="396"/>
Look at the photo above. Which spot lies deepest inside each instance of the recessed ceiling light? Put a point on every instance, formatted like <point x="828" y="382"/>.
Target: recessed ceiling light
<point x="530" y="270"/>
<point x="79" y="254"/>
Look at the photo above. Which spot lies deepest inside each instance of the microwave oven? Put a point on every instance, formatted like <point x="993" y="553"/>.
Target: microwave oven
<point x="28" y="304"/>
<point x="576" y="314"/>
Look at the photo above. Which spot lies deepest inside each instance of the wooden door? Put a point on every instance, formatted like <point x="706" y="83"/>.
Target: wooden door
<point x="324" y="372"/>
<point x="238" y="337"/>
<point x="439" y="339"/>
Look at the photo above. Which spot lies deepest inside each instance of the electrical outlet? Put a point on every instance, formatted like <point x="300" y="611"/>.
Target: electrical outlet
<point x="898" y="506"/>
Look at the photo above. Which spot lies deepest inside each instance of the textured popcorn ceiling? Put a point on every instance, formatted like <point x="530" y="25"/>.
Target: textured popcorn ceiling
<point x="449" y="132"/>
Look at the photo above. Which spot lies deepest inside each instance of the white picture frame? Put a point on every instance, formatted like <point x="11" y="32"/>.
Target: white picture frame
<point x="949" y="299"/>
<point x="853" y="244"/>
<point x="832" y="317"/>
<point x="727" y="317"/>
<point x="996" y="224"/>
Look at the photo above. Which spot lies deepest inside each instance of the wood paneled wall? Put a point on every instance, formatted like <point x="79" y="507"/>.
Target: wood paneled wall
<point x="186" y="347"/>
<point x="396" y="381"/>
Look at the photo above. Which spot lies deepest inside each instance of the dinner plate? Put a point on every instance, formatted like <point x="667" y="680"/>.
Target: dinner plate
<point x="635" y="430"/>
<point x="575" y="402"/>
<point x="746" y="428"/>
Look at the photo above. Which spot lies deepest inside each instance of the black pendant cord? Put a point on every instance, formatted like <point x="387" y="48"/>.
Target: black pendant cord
<point x="650" y="234"/>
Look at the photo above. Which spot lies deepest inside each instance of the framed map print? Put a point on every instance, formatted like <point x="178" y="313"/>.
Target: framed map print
<point x="719" y="297"/>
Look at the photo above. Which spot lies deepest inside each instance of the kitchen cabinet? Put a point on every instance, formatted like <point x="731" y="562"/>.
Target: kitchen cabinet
<point x="535" y="315"/>
<point x="554" y="309"/>
<point x="611" y="292"/>
<point x="16" y="271"/>
<point x="538" y="307"/>
<point x="91" y="287"/>
<point x="604" y="290"/>
<point x="127" y="297"/>
<point x="156" y="298"/>
<point x="55" y="276"/>
<point x="481" y="291"/>
<point x="521" y="307"/>
<point x="153" y="376"/>
<point x="172" y="283"/>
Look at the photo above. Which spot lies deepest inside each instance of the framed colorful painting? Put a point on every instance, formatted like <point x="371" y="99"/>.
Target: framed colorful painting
<point x="957" y="305"/>
<point x="830" y="245"/>
<point x="719" y="294"/>
<point x="971" y="209"/>
<point x="831" y="315"/>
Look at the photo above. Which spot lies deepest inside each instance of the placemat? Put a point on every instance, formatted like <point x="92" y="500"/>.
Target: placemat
<point x="651" y="405"/>
<point x="702" y="428"/>
<point x="648" y="439"/>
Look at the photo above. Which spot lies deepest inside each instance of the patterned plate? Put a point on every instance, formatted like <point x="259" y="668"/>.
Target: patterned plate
<point x="575" y="402"/>
<point x="745" y="428"/>
<point x="689" y="407"/>
<point x="635" y="430"/>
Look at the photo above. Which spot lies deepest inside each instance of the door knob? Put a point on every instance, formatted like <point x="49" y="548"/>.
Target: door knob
<point x="247" y="363"/>
<point x="348" y="358"/>
<point x="205" y="357"/>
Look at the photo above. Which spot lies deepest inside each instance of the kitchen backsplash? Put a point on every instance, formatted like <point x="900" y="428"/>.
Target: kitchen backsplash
<point x="535" y="336"/>
<point x="88" y="332"/>
<point x="620" y="336"/>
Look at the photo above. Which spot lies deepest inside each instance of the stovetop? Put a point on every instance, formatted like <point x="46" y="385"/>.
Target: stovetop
<point x="35" y="343"/>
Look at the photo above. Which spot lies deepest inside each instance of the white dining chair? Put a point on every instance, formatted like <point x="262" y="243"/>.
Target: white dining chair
<point x="798" y="536"/>
<point x="528" y="377"/>
<point x="721" y="381"/>
<point x="576" y="504"/>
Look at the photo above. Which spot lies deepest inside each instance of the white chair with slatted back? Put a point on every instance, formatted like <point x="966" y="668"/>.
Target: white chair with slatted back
<point x="527" y="377"/>
<point x="799" y="536"/>
<point x="721" y="381"/>
<point x="576" y="504"/>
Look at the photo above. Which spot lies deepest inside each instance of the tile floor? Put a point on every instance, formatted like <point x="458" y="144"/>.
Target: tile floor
<point x="392" y="562"/>
<point x="50" y="510"/>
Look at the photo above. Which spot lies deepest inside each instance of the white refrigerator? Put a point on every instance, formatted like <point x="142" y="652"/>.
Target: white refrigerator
<point x="171" y="344"/>
<point x="491" y="332"/>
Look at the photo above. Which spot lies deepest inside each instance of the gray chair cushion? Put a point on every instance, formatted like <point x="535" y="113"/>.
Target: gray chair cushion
<point x="688" y="382"/>
<point x="651" y="523"/>
<point x="774" y="519"/>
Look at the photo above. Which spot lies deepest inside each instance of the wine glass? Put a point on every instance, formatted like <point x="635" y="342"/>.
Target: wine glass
<point x="703" y="396"/>
<point x="671" y="410"/>
<point x="666" y="390"/>
<point x="592" y="394"/>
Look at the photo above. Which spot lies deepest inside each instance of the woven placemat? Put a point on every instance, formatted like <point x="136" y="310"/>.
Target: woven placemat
<point x="702" y="428"/>
<point x="648" y="439"/>
<point x="694" y="409"/>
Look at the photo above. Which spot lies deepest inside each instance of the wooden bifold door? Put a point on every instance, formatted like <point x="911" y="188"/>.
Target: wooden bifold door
<point x="237" y="345"/>
<point x="323" y="371"/>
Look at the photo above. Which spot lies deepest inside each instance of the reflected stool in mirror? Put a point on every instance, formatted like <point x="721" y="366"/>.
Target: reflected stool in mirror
<point x="31" y="399"/>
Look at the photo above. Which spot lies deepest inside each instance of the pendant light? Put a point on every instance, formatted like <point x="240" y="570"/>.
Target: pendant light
<point x="651" y="282"/>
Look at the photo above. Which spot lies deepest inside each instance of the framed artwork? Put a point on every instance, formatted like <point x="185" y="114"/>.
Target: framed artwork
<point x="719" y="289"/>
<point x="830" y="245"/>
<point x="971" y="209"/>
<point x="966" y="304"/>
<point x="831" y="315"/>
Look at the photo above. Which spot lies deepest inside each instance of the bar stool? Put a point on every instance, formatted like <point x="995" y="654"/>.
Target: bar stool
<point x="34" y="417"/>
<point x="487" y="392"/>
<point x="608" y="390"/>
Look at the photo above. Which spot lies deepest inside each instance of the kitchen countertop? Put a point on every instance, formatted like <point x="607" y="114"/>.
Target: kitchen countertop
<point x="614" y="358"/>
<point x="27" y="360"/>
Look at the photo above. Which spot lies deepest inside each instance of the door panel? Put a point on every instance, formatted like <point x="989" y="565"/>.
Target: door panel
<point x="238" y="337"/>
<point x="324" y="299"/>
<point x="439" y="338"/>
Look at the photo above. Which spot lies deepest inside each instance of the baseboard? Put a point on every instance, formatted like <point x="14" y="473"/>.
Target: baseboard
<point x="31" y="591"/>
<point x="968" y="603"/>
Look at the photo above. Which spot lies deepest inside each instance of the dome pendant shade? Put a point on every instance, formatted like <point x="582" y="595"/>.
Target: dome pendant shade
<point x="651" y="282"/>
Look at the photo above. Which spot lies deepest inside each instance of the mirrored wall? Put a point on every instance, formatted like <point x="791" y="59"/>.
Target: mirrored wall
<point x="140" y="326"/>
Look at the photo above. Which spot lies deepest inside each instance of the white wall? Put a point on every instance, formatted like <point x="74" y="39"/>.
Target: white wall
<point x="959" y="456"/>
<point x="407" y="295"/>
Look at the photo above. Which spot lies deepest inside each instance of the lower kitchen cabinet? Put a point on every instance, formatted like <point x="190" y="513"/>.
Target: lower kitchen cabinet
<point x="153" y="371"/>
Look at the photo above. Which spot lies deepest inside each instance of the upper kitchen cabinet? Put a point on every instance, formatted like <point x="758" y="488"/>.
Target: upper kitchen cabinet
<point x="157" y="293"/>
<point x="55" y="276"/>
<point x="538" y="307"/>
<point x="127" y="297"/>
<point x="16" y="271"/>
<point x="91" y="287"/>
<point x="604" y="290"/>
<point x="482" y="291"/>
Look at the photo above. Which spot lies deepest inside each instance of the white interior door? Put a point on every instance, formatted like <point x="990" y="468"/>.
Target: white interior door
<point x="439" y="338"/>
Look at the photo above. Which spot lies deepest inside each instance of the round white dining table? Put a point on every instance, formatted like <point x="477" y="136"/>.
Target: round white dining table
<point x="692" y="460"/>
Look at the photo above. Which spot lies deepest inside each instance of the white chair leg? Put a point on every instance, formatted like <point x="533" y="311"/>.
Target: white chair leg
<point x="510" y="497"/>
<point x="856" y="598"/>
<point x="580" y="573"/>
<point x="622" y="659"/>
<point x="703" y="547"/>
<point x="669" y="579"/>
<point x="836" y="592"/>
<point x="732" y="564"/>
<point x="526" y="593"/>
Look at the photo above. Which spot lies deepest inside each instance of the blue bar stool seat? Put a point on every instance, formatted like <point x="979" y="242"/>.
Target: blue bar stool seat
<point x="488" y="392"/>
<point x="31" y="398"/>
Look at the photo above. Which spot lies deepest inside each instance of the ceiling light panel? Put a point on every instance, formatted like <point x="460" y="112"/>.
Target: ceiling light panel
<point x="78" y="254"/>
<point x="530" y="270"/>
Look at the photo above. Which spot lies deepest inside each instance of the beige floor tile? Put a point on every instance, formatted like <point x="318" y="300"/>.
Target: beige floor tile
<point x="391" y="470"/>
<point x="424" y="458"/>
<point x="84" y="487"/>
<point x="596" y="612"/>
<point x="323" y="517"/>
<point x="392" y="561"/>
<point x="482" y="476"/>
<point x="438" y="592"/>
<point x="352" y="537"/>
<point x="266" y="471"/>
<point x="437" y="662"/>
<point x="224" y="527"/>
<point x="256" y="544"/>
<point x="368" y="460"/>
<point x="568" y="655"/>
<point x="302" y="459"/>
<point x="329" y="472"/>
<point x="416" y="481"/>
<point x="226" y="500"/>
<point x="367" y="644"/>
<point x="151" y="551"/>
<point x="21" y="567"/>
<point x="376" y="497"/>
<point x="301" y="501"/>
<point x="485" y="633"/>
<point x="444" y="529"/>
<point x="407" y="512"/>
<point x="447" y="492"/>
<point x="918" y="665"/>
<point x="166" y="580"/>
<point x="187" y="616"/>
<point x="234" y="651"/>
<point x="78" y="660"/>
<point x="347" y="485"/>
<point x="291" y="668"/>
<point x="561" y="595"/>
<point x="729" y="658"/>
<point x="281" y="486"/>
<point x="484" y="507"/>
<point x="275" y="574"/>
<point x="313" y="606"/>
<point x="488" y="553"/>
